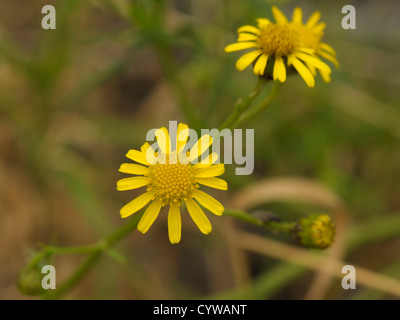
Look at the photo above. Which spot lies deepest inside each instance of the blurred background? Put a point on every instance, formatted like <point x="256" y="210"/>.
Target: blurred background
<point x="74" y="100"/>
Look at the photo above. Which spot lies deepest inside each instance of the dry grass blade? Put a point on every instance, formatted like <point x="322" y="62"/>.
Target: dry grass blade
<point x="281" y="189"/>
<point x="315" y="262"/>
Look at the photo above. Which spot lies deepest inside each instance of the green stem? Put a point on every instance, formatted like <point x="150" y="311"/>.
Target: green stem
<point x="122" y="232"/>
<point x="243" y="104"/>
<point x="252" y="113"/>
<point x="95" y="251"/>
<point x="76" y="276"/>
<point x="281" y="227"/>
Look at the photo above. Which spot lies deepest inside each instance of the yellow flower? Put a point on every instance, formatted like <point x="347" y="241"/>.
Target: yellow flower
<point x="170" y="178"/>
<point x="311" y="34"/>
<point x="279" y="49"/>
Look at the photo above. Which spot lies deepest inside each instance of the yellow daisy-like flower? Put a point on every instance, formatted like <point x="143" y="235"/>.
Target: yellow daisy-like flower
<point x="171" y="178"/>
<point x="279" y="48"/>
<point x="311" y="34"/>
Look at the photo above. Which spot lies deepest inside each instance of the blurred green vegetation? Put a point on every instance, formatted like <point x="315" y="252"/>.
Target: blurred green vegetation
<point x="75" y="99"/>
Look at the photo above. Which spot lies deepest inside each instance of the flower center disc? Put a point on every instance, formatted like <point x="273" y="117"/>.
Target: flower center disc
<point x="172" y="183"/>
<point x="278" y="39"/>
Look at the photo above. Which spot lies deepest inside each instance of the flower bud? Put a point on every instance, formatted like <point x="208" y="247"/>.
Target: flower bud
<point x="316" y="231"/>
<point x="30" y="281"/>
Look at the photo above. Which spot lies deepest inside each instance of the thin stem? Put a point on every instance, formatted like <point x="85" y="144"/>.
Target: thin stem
<point x="244" y="216"/>
<point x="122" y="232"/>
<point x="283" y="227"/>
<point x="252" y="113"/>
<point x="76" y="276"/>
<point x="243" y="104"/>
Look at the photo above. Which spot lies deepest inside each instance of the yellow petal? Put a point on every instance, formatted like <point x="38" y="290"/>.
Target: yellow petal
<point x="262" y="22"/>
<point x="149" y="216"/>
<point x="247" y="37"/>
<point x="181" y="136"/>
<point x="200" y="147"/>
<point x="215" y="183"/>
<point x="279" y="17"/>
<point x="306" y="50"/>
<point x="327" y="48"/>
<point x="132" y="183"/>
<point x="174" y="223"/>
<point x="137" y="156"/>
<point x="132" y="168"/>
<point x="247" y="59"/>
<point x="240" y="46"/>
<point x="297" y="16"/>
<point x="148" y="151"/>
<point x="211" y="171"/>
<point x="144" y="147"/>
<point x="325" y="76"/>
<point x="319" y="28"/>
<point x="163" y="140"/>
<point x="317" y="63"/>
<point x="328" y="57"/>
<point x="211" y="159"/>
<point x="303" y="71"/>
<point x="279" y="69"/>
<point x="198" y="216"/>
<point x="260" y="65"/>
<point x="208" y="202"/>
<point x="136" y="204"/>
<point x="249" y="28"/>
<point x="312" y="21"/>
<point x="312" y="69"/>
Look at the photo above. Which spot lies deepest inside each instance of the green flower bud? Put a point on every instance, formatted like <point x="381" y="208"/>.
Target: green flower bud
<point x="316" y="231"/>
<point x="30" y="281"/>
